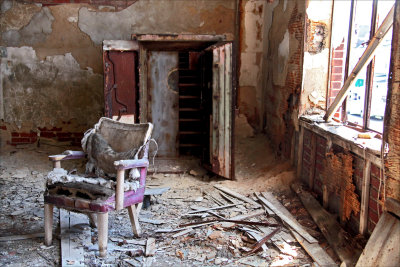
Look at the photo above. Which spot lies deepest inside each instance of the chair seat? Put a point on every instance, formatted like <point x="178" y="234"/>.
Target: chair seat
<point x="80" y="193"/>
<point x="82" y="202"/>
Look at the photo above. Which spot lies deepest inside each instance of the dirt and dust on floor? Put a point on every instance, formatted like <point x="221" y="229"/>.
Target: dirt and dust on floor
<point x="244" y="232"/>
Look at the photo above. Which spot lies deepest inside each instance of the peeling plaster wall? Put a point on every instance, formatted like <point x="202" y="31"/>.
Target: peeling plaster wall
<point x="59" y="48"/>
<point x="316" y="55"/>
<point x="282" y="71"/>
<point x="256" y="19"/>
<point x="46" y="92"/>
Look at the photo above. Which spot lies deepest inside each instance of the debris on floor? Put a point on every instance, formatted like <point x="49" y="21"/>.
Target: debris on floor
<point x="188" y="221"/>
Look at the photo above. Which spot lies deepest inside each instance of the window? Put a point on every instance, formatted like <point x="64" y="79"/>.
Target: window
<point x="354" y="24"/>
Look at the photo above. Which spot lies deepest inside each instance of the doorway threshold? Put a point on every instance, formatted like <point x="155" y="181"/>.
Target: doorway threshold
<point x="180" y="164"/>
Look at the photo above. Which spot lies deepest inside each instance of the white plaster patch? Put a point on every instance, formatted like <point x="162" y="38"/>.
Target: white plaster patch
<point x="319" y="10"/>
<point x="284" y="5"/>
<point x="73" y="19"/>
<point x="284" y="45"/>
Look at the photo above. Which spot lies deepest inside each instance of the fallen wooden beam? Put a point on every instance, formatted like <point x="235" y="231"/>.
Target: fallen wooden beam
<point x="237" y="195"/>
<point x="334" y="234"/>
<point x="286" y="216"/>
<point x="383" y="247"/>
<point x="20" y="237"/>
<point x="263" y="202"/>
<point x="73" y="237"/>
<point x="315" y="251"/>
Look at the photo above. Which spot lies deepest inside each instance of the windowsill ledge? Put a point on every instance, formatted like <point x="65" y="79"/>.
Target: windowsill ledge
<point x="345" y="137"/>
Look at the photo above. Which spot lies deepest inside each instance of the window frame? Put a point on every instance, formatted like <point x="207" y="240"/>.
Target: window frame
<point x="369" y="71"/>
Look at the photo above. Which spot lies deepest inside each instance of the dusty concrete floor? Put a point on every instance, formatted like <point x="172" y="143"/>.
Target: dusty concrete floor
<point x="22" y="179"/>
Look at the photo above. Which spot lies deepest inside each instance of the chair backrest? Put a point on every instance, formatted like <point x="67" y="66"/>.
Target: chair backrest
<point x="122" y="137"/>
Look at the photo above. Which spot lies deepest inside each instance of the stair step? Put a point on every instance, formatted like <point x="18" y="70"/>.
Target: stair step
<point x="189" y="120"/>
<point x="189" y="97"/>
<point x="189" y="109"/>
<point x="190" y="145"/>
<point x="190" y="132"/>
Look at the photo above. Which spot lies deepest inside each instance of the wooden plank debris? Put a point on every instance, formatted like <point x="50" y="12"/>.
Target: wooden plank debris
<point x="339" y="240"/>
<point x="315" y="251"/>
<point x="256" y="235"/>
<point x="214" y="208"/>
<point x="184" y="232"/>
<point x="156" y="191"/>
<point x="259" y="244"/>
<point x="285" y="215"/>
<point x="20" y="237"/>
<point x="75" y="234"/>
<point x="383" y="247"/>
<point x="248" y="215"/>
<point x="237" y="195"/>
<point x="150" y="247"/>
<point x="156" y="222"/>
<point x="263" y="203"/>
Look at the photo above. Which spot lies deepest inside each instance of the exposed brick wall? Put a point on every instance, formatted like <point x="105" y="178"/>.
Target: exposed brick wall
<point x="337" y="69"/>
<point x="59" y="134"/>
<point x="334" y="200"/>
<point x="374" y="207"/>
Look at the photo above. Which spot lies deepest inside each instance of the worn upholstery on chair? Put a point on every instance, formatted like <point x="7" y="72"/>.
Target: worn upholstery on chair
<point x="107" y="142"/>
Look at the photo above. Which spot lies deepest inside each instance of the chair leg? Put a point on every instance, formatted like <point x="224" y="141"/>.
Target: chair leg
<point x="92" y="219"/>
<point x="102" y="228"/>
<point x="133" y="216"/>
<point x="48" y="224"/>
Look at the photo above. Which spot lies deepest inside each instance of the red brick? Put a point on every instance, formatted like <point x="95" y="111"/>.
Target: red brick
<point x="47" y="134"/>
<point x="3" y="127"/>
<point x="358" y="173"/>
<point x="55" y="129"/>
<point x="371" y="226"/>
<point x="337" y="62"/>
<point x="14" y="134"/>
<point x="319" y="167"/>
<point x="64" y="135"/>
<point x="20" y="140"/>
<point x="337" y="54"/>
<point x="31" y="134"/>
<point x="336" y="85"/>
<point x="65" y="139"/>
<point x="336" y="78"/>
<point x="375" y="170"/>
<point x="374" y="182"/>
<point x="373" y="216"/>
<point x="373" y="205"/>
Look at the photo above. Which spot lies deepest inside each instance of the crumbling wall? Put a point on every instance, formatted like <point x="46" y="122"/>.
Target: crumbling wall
<point x="338" y="178"/>
<point x="51" y="78"/>
<point x="316" y="55"/>
<point x="256" y="18"/>
<point x="283" y="73"/>
<point x="392" y="116"/>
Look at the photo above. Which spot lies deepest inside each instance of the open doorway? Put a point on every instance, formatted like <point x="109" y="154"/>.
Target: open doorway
<point x="185" y="90"/>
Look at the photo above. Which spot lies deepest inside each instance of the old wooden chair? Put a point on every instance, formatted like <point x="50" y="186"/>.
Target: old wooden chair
<point x="112" y="148"/>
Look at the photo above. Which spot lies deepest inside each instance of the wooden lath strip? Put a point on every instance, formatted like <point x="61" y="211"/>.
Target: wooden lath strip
<point x="362" y="62"/>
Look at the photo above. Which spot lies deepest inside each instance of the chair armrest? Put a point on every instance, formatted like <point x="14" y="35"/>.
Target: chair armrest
<point x="121" y="166"/>
<point x="131" y="163"/>
<point x="68" y="154"/>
